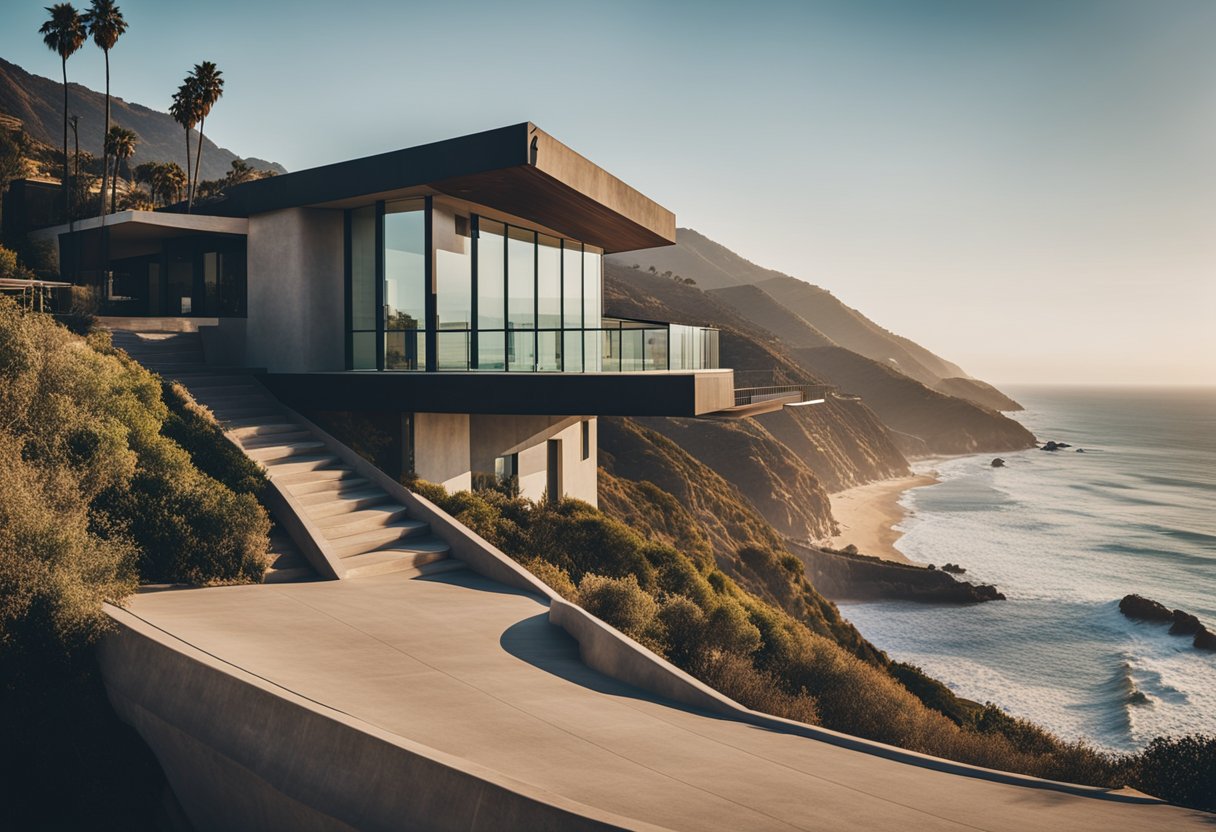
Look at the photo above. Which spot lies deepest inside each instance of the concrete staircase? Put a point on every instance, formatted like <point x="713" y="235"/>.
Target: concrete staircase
<point x="359" y="529"/>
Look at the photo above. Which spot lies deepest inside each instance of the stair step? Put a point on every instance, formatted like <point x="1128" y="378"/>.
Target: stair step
<point x="264" y="430"/>
<point x="384" y="561"/>
<point x="267" y="440"/>
<point x="339" y="526"/>
<point x="242" y="414"/>
<point x="231" y="395"/>
<point x="301" y="464"/>
<point x="384" y="537"/>
<point x="330" y="503"/>
<point x="307" y="480"/>
<point x="285" y="450"/>
<point x="211" y="379"/>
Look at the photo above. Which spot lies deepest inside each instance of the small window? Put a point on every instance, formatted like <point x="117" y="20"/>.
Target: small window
<point x="586" y="438"/>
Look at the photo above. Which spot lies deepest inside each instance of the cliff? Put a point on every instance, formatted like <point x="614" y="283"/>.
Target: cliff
<point x="841" y="576"/>
<point x="38" y="103"/>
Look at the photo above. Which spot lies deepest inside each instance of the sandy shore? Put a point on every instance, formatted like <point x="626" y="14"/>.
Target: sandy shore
<point x="867" y="513"/>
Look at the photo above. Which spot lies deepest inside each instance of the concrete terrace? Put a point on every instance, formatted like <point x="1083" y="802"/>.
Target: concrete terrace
<point x="473" y="670"/>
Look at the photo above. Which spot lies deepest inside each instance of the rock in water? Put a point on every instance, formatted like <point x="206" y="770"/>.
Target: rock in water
<point x="998" y="463"/>
<point x="1137" y="606"/>
<point x="1205" y="639"/>
<point x="1185" y="624"/>
<point x="953" y="568"/>
<point x="1050" y="446"/>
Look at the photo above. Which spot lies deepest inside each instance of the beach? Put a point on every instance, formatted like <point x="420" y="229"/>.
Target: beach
<point x="867" y="514"/>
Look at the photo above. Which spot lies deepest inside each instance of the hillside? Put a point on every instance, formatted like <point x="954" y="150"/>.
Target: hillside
<point x="946" y="424"/>
<point x="38" y="103"/>
<point x="801" y="314"/>
<point x="933" y="422"/>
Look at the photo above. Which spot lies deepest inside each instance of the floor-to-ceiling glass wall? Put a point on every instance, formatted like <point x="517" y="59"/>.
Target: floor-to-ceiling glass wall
<point x="491" y="295"/>
<point x="405" y="285"/>
<point x="453" y="246"/>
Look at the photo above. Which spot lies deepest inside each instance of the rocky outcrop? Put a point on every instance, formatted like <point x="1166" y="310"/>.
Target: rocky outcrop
<point x="842" y="575"/>
<point x="1054" y="446"/>
<point x="1181" y="623"/>
<point x="998" y="463"/>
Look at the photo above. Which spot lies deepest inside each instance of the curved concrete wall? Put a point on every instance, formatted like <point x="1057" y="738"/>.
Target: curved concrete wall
<point x="244" y="754"/>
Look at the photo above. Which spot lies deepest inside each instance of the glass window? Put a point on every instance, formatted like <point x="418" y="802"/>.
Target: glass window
<point x="453" y="269"/>
<point x="211" y="283"/>
<point x="521" y="347"/>
<point x="405" y="265"/>
<point x="491" y="349"/>
<point x="593" y="283"/>
<point x="491" y="259"/>
<point x="572" y="285"/>
<point x="548" y="282"/>
<point x="404" y="349"/>
<point x="572" y="352"/>
<point x="521" y="278"/>
<point x="549" y="350"/>
<point x="452" y="350"/>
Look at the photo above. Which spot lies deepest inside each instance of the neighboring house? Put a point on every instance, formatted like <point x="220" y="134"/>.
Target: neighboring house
<point x="458" y="284"/>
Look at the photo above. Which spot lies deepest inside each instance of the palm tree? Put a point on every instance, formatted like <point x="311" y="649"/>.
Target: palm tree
<point x="208" y="84"/>
<point x="184" y="110"/>
<point x="105" y="23"/>
<point x="64" y="35"/>
<point x="120" y="145"/>
<point x="171" y="180"/>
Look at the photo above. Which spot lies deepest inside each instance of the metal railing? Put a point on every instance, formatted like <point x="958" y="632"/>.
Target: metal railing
<point x="803" y="392"/>
<point x="625" y="346"/>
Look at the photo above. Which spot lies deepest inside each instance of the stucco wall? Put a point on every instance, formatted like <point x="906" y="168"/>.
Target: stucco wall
<point x="441" y="449"/>
<point x="296" y="295"/>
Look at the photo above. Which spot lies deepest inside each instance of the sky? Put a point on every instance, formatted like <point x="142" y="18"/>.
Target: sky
<point x="1026" y="187"/>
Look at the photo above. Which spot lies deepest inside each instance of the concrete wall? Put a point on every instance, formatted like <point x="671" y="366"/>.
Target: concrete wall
<point x="296" y="295"/>
<point x="244" y="754"/>
<point x="441" y="449"/>
<point x="495" y="436"/>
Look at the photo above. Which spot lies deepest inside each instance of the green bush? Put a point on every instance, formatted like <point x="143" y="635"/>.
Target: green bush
<point x="195" y="429"/>
<point x="1179" y="769"/>
<point x="623" y="604"/>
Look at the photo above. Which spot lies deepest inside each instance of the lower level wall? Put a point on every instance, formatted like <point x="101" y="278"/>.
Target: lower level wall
<point x="451" y="448"/>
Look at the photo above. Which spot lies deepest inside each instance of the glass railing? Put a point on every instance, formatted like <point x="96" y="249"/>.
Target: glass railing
<point x="624" y="347"/>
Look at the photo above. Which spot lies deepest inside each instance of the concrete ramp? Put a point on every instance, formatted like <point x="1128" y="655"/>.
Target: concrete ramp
<point x="450" y="702"/>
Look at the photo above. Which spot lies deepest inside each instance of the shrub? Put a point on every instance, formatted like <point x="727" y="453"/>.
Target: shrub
<point x="195" y="429"/>
<point x="555" y="577"/>
<point x="737" y="678"/>
<point x="621" y="603"/>
<point x="1179" y="769"/>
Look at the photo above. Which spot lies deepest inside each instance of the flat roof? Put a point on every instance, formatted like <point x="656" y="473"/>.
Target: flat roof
<point x="519" y="170"/>
<point x="148" y="224"/>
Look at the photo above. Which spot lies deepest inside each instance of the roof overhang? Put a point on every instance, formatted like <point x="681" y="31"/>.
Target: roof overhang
<point x="149" y="225"/>
<point x="519" y="170"/>
<point x="659" y="393"/>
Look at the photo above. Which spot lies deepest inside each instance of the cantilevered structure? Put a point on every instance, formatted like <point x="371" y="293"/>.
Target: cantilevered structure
<point x="457" y="284"/>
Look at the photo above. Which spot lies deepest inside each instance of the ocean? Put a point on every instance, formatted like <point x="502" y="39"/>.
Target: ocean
<point x="1065" y="535"/>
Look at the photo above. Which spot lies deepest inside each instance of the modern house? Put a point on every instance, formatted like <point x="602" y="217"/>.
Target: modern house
<point x="456" y="285"/>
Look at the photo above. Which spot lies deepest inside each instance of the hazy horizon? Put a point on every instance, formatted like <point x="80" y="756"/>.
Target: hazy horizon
<point x="1026" y="188"/>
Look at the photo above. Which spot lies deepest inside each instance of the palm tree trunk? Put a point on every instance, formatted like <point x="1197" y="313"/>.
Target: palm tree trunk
<point x="114" y="187"/>
<point x="105" y="168"/>
<point x="189" y="187"/>
<point x="198" y="157"/>
<point x="67" y="194"/>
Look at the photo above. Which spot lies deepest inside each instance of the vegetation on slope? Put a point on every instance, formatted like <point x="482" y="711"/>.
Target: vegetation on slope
<point x="97" y="498"/>
<point x="684" y="607"/>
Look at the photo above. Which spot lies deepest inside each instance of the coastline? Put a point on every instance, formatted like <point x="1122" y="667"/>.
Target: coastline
<point x="868" y="513"/>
